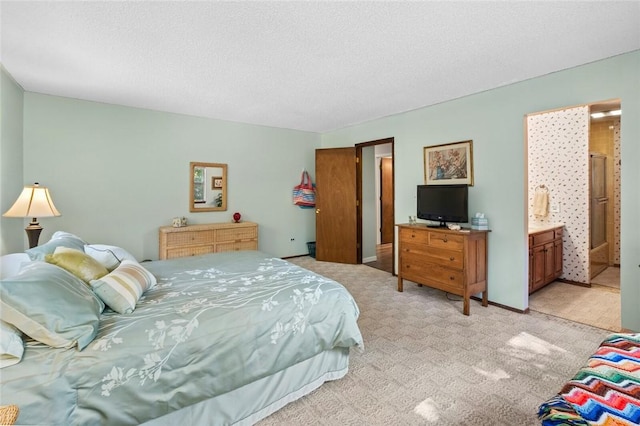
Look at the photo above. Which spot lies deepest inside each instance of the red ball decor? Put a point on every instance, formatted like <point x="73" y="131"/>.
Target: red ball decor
<point x="236" y="217"/>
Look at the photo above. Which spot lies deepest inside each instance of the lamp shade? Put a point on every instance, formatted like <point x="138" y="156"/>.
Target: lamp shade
<point x="34" y="201"/>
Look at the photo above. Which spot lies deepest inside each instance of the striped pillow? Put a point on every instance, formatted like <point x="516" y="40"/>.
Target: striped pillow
<point x="122" y="288"/>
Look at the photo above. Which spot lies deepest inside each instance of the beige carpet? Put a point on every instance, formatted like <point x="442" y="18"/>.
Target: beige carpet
<point x="427" y="364"/>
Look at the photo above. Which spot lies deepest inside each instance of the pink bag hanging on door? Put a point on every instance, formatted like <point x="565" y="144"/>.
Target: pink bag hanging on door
<point x="304" y="195"/>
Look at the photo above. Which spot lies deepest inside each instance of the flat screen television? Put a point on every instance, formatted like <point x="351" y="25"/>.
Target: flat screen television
<point x="443" y="203"/>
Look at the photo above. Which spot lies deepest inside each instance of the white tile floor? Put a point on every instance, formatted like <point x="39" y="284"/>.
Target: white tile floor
<point x="598" y="306"/>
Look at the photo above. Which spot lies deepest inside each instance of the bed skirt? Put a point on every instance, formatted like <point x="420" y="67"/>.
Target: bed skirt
<point x="253" y="402"/>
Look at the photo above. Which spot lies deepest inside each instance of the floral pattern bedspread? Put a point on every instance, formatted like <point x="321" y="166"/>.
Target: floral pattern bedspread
<point x="212" y="324"/>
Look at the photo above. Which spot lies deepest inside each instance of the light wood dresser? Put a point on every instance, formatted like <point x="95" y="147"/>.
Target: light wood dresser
<point x="451" y="261"/>
<point x="193" y="240"/>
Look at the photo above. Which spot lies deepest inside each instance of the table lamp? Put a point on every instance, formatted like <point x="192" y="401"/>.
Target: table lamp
<point x="33" y="202"/>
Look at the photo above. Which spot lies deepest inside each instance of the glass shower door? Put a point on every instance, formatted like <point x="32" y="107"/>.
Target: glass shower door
<point x="599" y="200"/>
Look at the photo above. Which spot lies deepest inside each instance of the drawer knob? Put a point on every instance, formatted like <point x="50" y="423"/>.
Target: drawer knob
<point x="452" y="258"/>
<point x="445" y="239"/>
<point x="452" y="278"/>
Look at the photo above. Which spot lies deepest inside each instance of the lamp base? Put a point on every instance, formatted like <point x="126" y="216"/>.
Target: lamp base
<point x="33" y="232"/>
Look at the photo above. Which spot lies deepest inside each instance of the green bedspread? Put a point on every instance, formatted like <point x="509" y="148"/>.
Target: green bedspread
<point x="212" y="324"/>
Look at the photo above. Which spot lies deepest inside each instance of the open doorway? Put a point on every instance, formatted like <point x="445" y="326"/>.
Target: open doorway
<point x="377" y="218"/>
<point x="573" y="176"/>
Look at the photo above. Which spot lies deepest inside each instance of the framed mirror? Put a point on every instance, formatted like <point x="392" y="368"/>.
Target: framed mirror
<point x="208" y="187"/>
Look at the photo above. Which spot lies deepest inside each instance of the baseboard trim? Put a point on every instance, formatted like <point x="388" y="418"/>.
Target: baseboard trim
<point x="500" y="305"/>
<point x="294" y="256"/>
<point x="578" y="283"/>
<point x="370" y="259"/>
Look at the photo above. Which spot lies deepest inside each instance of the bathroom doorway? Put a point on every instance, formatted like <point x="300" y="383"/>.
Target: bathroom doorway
<point x="584" y="203"/>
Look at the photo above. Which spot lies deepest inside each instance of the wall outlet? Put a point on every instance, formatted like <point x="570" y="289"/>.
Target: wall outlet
<point x="554" y="208"/>
<point x="292" y="239"/>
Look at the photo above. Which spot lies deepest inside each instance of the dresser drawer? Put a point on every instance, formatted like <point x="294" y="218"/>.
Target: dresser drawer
<point x="236" y="234"/>
<point x="188" y="251"/>
<point x="190" y="238"/>
<point x="237" y="246"/>
<point x="413" y="236"/>
<point x="433" y="275"/>
<point x="446" y="241"/>
<point x="450" y="258"/>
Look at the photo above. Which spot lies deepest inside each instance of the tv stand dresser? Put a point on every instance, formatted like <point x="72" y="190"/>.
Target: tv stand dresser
<point x="451" y="261"/>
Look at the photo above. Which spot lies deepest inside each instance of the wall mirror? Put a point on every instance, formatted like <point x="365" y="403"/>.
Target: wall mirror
<point x="208" y="187"/>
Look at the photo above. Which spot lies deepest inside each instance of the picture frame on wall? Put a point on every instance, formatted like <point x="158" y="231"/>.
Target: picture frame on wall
<point x="449" y="164"/>
<point x="216" y="182"/>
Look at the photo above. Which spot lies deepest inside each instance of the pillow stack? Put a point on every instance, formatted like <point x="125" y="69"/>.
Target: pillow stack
<point x="57" y="291"/>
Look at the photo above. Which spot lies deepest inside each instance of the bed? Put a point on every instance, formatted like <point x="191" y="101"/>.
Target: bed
<point x="606" y="391"/>
<point x="219" y="339"/>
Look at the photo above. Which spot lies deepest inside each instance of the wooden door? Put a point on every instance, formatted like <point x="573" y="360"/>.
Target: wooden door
<point x="386" y="200"/>
<point x="336" y="211"/>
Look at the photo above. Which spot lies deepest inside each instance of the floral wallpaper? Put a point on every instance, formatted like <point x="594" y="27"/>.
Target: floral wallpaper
<point x="558" y="157"/>
<point x="616" y="190"/>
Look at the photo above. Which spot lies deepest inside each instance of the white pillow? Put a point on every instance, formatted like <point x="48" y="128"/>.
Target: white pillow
<point x="10" y="264"/>
<point x="11" y="345"/>
<point x="109" y="256"/>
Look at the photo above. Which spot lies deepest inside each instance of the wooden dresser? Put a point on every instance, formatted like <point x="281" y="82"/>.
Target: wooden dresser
<point x="451" y="261"/>
<point x="545" y="257"/>
<point x="193" y="240"/>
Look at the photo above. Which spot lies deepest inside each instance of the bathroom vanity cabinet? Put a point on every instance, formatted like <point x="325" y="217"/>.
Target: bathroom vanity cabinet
<point x="545" y="257"/>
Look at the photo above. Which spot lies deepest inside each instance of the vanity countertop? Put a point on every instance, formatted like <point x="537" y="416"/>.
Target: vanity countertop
<point x="533" y="229"/>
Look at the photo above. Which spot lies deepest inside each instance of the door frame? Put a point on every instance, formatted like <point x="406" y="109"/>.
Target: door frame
<point x="359" y="147"/>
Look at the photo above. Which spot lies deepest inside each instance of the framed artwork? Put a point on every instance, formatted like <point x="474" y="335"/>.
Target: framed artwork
<point x="449" y="164"/>
<point x="216" y="182"/>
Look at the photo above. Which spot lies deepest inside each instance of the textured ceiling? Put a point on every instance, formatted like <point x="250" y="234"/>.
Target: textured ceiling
<point x="315" y="66"/>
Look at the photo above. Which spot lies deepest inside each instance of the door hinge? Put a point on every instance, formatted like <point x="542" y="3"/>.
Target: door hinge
<point x="357" y="159"/>
<point x="357" y="203"/>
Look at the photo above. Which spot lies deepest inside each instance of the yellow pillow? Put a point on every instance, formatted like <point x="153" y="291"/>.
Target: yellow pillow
<point x="78" y="263"/>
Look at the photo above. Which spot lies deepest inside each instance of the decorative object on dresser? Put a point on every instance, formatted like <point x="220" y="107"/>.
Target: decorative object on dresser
<point x="545" y="256"/>
<point x="178" y="222"/>
<point x="236" y="217"/>
<point x="34" y="202"/>
<point x="449" y="260"/>
<point x="193" y="240"/>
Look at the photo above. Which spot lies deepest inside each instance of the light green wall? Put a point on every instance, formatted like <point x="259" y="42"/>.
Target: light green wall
<point x="117" y="173"/>
<point x="494" y="120"/>
<point x="12" y="237"/>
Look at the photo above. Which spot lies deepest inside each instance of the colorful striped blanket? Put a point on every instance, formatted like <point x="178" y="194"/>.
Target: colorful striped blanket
<point x="604" y="392"/>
